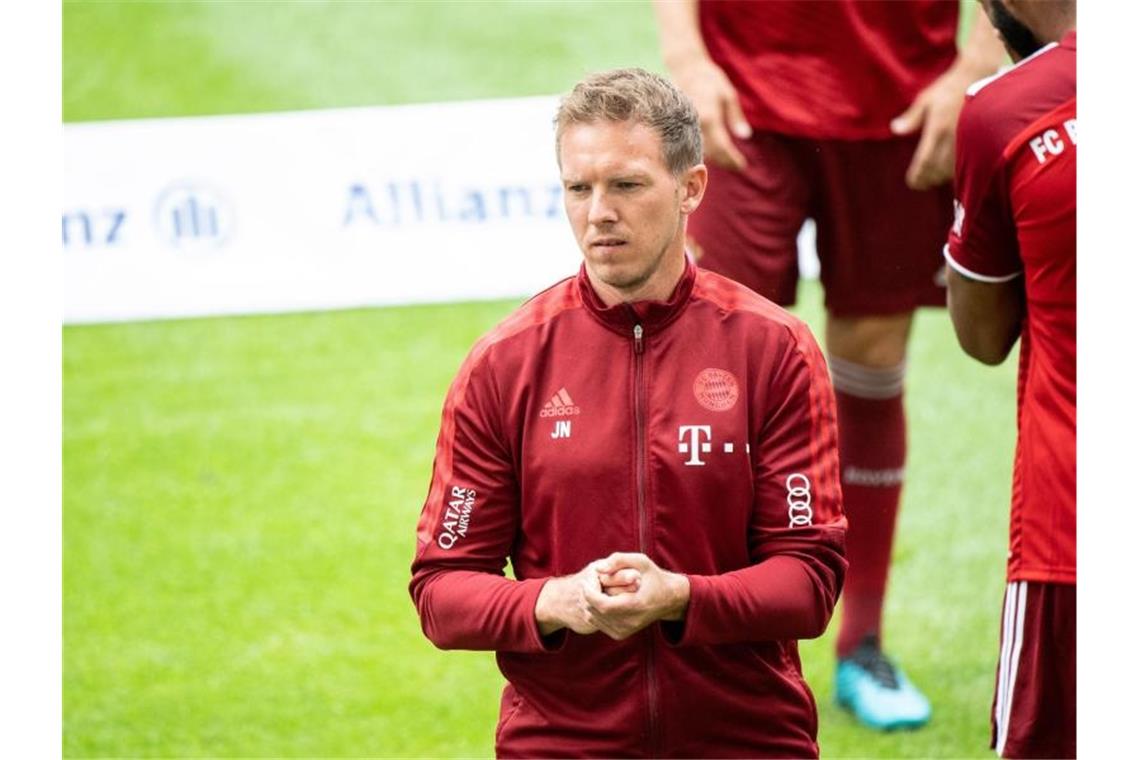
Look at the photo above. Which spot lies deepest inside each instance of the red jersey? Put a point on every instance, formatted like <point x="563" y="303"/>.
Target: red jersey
<point x="840" y="69"/>
<point x="700" y="431"/>
<point x="1016" y="216"/>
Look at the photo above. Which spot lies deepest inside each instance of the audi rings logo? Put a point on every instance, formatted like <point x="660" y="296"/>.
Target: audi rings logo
<point x="799" y="500"/>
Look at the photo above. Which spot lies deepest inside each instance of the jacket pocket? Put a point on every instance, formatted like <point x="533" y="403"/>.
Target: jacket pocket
<point x="793" y="666"/>
<point x="508" y="716"/>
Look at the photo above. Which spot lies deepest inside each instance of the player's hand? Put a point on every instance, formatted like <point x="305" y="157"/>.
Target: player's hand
<point x="624" y="581"/>
<point x="562" y="602"/>
<point x="660" y="595"/>
<point x="935" y="111"/>
<point x="718" y="108"/>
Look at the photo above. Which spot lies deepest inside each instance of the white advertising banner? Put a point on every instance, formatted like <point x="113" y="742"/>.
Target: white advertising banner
<point x="312" y="210"/>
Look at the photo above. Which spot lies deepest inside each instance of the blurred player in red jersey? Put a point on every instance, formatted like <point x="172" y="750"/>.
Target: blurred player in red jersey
<point x="1013" y="272"/>
<point x="843" y="112"/>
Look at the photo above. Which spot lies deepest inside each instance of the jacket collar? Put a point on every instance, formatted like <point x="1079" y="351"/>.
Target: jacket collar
<point x="653" y="316"/>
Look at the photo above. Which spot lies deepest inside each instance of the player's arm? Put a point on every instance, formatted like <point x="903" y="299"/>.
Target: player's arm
<point x="468" y="525"/>
<point x="985" y="285"/>
<point x="935" y="110"/>
<point x="703" y="81"/>
<point x="796" y="537"/>
<point x="987" y="316"/>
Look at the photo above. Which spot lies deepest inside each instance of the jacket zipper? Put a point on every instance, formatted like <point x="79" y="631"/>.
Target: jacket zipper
<point x="639" y="422"/>
<point x="643" y="520"/>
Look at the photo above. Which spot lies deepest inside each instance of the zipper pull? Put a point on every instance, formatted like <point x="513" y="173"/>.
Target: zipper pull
<point x="637" y="333"/>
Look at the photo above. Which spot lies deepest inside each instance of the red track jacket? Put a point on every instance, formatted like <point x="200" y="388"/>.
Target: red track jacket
<point x="700" y="431"/>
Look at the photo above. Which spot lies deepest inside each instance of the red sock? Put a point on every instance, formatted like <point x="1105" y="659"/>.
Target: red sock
<point x="872" y="453"/>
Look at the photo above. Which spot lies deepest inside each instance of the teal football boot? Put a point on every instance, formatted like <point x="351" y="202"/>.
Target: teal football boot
<point x="877" y="691"/>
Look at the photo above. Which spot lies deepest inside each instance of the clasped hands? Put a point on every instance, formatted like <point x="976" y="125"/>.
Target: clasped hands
<point x="618" y="595"/>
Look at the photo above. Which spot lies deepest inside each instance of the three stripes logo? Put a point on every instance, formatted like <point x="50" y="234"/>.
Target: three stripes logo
<point x="560" y="405"/>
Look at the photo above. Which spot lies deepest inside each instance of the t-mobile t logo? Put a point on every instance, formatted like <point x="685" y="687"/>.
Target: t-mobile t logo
<point x="697" y="443"/>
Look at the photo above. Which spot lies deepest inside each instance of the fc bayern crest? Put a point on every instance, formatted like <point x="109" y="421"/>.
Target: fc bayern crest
<point x="716" y="389"/>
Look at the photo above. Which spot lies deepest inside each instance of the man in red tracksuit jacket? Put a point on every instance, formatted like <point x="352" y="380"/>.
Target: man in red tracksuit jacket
<point x="653" y="447"/>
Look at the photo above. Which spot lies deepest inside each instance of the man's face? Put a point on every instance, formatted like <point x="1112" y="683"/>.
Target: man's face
<point x="626" y="208"/>
<point x="1019" y="39"/>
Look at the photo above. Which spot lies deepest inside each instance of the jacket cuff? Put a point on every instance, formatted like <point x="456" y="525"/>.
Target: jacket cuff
<point x="678" y="633"/>
<point x="555" y="641"/>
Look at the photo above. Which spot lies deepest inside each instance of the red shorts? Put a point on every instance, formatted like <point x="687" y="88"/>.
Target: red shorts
<point x="879" y="242"/>
<point x="1035" y="698"/>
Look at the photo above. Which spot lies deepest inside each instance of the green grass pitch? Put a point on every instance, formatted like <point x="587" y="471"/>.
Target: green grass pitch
<point x="240" y="494"/>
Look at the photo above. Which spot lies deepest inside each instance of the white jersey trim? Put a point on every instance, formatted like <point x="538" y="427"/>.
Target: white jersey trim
<point x="974" y="275"/>
<point x="1003" y="659"/>
<point x="979" y="85"/>
<point x="1014" y="624"/>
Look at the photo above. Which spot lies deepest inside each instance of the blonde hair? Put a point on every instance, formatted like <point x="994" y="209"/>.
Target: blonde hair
<point x="641" y="97"/>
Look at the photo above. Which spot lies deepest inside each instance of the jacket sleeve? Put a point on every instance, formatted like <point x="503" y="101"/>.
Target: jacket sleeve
<point x="468" y="526"/>
<point x="796" y="536"/>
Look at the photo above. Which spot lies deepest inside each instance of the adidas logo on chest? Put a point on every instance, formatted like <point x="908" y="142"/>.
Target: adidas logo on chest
<point x="560" y="405"/>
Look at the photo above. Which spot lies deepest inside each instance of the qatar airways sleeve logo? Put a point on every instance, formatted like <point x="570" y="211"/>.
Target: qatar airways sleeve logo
<point x="457" y="517"/>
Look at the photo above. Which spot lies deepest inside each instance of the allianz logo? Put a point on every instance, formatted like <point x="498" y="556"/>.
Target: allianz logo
<point x="187" y="215"/>
<point x="417" y="201"/>
<point x="192" y="215"/>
